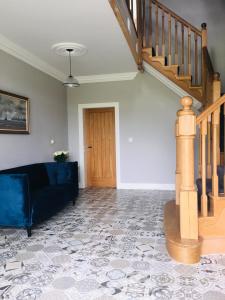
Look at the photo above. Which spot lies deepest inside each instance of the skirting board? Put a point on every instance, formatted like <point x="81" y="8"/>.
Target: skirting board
<point x="143" y="186"/>
<point x="146" y="186"/>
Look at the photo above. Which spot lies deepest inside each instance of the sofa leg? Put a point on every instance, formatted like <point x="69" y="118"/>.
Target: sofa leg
<point x="73" y="202"/>
<point x="29" y="231"/>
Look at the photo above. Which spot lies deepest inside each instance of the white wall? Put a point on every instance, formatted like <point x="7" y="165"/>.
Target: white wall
<point x="48" y="114"/>
<point x="147" y="113"/>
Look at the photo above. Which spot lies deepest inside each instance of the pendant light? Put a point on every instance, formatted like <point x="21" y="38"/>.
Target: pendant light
<point x="70" y="80"/>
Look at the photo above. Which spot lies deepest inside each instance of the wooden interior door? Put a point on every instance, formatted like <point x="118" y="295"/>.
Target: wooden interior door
<point x="100" y="156"/>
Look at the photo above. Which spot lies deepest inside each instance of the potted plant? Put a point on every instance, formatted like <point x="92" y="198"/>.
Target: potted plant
<point x="61" y="156"/>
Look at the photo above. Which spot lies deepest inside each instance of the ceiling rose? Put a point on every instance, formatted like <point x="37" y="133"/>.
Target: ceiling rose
<point x="62" y="49"/>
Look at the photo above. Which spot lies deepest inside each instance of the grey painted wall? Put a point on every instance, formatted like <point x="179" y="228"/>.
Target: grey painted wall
<point x="147" y="113"/>
<point x="212" y="13"/>
<point x="48" y="114"/>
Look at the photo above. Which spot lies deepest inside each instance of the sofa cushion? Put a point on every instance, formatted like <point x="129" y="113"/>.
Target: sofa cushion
<point x="65" y="174"/>
<point x="52" y="173"/>
<point x="61" y="173"/>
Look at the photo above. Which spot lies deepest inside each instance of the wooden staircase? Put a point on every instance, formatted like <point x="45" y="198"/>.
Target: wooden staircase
<point x="174" y="47"/>
<point x="194" y="222"/>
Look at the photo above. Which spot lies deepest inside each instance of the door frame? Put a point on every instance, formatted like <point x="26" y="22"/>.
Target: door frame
<point x="81" y="108"/>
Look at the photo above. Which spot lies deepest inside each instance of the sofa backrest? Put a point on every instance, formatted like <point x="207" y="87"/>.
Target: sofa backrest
<point x="37" y="174"/>
<point x="62" y="173"/>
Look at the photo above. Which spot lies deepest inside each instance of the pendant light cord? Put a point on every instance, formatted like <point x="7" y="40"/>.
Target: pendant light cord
<point x="70" y="63"/>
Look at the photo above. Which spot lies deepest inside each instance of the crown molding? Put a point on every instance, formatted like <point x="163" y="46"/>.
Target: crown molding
<point x="171" y="85"/>
<point x="22" y="54"/>
<point x="107" y="77"/>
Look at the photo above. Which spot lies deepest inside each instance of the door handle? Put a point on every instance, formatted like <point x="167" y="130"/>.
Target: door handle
<point x="89" y="147"/>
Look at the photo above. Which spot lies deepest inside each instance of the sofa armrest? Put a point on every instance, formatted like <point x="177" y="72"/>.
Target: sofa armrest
<point x="15" y="206"/>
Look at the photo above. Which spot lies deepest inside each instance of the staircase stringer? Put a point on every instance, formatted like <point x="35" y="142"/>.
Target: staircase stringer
<point x="178" y="90"/>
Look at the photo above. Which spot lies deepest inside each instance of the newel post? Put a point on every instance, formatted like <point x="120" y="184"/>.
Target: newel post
<point x="186" y="132"/>
<point x="178" y="166"/>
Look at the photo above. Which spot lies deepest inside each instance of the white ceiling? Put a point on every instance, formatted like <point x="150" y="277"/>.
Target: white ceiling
<point x="35" y="25"/>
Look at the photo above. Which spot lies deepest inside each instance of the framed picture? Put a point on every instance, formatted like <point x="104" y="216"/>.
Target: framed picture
<point x="14" y="113"/>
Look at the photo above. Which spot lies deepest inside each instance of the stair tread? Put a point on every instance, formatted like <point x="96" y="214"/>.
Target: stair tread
<point x="183" y="77"/>
<point x="196" y="86"/>
<point x="173" y="66"/>
<point x="158" y="57"/>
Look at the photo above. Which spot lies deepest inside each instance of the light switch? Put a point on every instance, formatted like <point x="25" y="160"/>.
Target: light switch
<point x="130" y="140"/>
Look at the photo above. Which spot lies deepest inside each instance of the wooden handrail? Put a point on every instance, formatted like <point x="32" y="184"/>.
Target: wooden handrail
<point x="122" y="12"/>
<point x="178" y="18"/>
<point x="130" y="7"/>
<point x="207" y="112"/>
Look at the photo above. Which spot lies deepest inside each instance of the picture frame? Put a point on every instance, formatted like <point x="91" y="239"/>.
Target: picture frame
<point x="14" y="113"/>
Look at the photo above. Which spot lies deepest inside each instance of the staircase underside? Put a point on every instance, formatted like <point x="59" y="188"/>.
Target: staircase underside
<point x="211" y="234"/>
<point x="172" y="73"/>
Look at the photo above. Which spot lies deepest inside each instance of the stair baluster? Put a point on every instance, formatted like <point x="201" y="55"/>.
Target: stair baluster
<point x="182" y="50"/>
<point x="163" y="34"/>
<point x="150" y="27"/>
<point x="144" y="20"/>
<point x="204" y="198"/>
<point x="196" y="59"/>
<point x="176" y="43"/>
<point x="209" y="148"/>
<point x="157" y="31"/>
<point x="140" y="25"/>
<point x="169" y="42"/>
<point x="204" y="62"/>
<point x="189" y="52"/>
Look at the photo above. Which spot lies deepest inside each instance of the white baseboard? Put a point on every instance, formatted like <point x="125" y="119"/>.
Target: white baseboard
<point x="146" y="186"/>
<point x="142" y="186"/>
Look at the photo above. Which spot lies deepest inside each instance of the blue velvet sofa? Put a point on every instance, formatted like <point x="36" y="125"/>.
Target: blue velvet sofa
<point x="33" y="193"/>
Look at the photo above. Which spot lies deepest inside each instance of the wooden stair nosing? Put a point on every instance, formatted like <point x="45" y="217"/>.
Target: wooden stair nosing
<point x="183" y="77"/>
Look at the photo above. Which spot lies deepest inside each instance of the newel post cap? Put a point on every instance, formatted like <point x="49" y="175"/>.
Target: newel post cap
<point x="216" y="76"/>
<point x="186" y="102"/>
<point x="204" y="26"/>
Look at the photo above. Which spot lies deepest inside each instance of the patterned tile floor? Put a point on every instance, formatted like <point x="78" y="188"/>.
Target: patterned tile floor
<point x="109" y="246"/>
